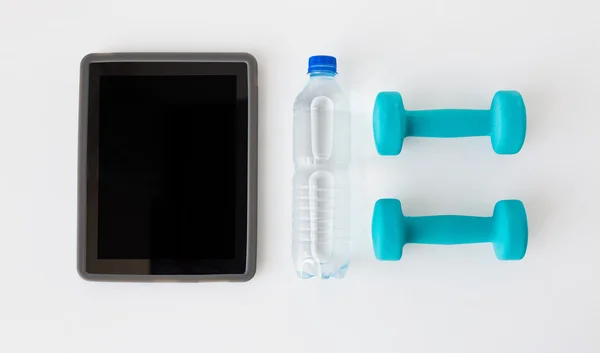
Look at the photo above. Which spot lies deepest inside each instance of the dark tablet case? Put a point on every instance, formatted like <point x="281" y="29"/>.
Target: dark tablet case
<point x="109" y="266"/>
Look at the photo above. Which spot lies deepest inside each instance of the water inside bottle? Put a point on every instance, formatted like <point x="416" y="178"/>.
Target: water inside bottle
<point x="321" y="240"/>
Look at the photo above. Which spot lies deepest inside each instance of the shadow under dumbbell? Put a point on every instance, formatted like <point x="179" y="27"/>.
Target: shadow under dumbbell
<point x="539" y="210"/>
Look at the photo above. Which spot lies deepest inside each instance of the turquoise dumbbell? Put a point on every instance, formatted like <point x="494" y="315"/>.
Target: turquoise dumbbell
<point x="506" y="229"/>
<point x="505" y="122"/>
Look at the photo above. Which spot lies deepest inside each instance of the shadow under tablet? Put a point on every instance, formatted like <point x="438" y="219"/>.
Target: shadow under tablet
<point x="167" y="183"/>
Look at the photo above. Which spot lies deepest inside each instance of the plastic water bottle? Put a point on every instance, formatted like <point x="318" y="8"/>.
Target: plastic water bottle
<point x="321" y="206"/>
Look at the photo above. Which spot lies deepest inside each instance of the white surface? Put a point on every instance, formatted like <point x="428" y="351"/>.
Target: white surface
<point x="437" y="299"/>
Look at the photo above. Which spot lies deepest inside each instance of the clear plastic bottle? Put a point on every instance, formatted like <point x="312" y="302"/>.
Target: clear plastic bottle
<point x="321" y="196"/>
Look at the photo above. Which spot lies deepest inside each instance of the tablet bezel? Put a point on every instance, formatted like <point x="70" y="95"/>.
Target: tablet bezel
<point x="89" y="266"/>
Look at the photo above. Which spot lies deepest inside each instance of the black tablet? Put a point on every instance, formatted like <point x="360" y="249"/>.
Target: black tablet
<point x="167" y="166"/>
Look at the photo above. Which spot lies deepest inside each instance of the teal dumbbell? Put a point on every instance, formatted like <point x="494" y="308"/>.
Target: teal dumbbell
<point x="506" y="229"/>
<point x="505" y="122"/>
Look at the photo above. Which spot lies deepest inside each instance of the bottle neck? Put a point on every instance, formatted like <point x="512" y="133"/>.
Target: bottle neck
<point x="321" y="74"/>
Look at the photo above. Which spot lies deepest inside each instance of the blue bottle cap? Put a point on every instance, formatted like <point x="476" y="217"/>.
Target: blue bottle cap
<point x="322" y="63"/>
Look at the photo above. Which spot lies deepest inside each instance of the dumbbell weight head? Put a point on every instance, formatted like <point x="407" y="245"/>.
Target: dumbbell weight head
<point x="511" y="234"/>
<point x="389" y="123"/>
<point x="388" y="230"/>
<point x="509" y="122"/>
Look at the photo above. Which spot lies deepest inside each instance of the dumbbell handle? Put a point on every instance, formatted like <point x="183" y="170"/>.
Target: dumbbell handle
<point x="448" y="230"/>
<point x="448" y="123"/>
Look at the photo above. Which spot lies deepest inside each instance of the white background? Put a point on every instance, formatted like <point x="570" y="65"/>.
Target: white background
<point x="439" y="54"/>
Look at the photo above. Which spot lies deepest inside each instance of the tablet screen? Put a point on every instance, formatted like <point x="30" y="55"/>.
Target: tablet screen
<point x="171" y="168"/>
<point x="167" y="171"/>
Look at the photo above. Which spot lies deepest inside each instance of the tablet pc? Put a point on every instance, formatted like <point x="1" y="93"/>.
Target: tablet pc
<point x="167" y="166"/>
